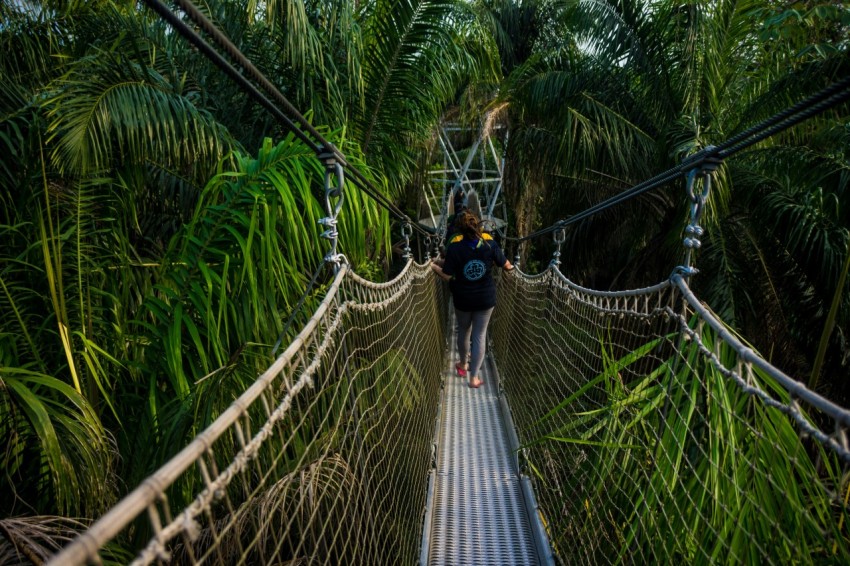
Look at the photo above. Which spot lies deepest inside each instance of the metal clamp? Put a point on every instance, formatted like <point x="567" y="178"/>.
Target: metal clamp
<point x="684" y="271"/>
<point x="406" y="232"/>
<point x="700" y="165"/>
<point x="432" y="244"/>
<point x="336" y="259"/>
<point x="332" y="167"/>
<point x="559" y="236"/>
<point x="705" y="159"/>
<point x="693" y="230"/>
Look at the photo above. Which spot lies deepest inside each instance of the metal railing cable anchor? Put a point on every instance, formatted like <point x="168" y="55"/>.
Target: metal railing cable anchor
<point x="333" y="167"/>
<point x="700" y="165"/>
<point x="406" y="232"/>
<point x="559" y="236"/>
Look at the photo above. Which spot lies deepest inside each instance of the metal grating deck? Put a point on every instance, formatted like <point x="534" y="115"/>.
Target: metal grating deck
<point x="479" y="514"/>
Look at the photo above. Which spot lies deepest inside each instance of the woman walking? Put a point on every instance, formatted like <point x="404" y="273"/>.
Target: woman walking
<point x="470" y="257"/>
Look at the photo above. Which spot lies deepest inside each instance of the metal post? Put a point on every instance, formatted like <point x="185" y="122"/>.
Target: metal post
<point x="500" y="166"/>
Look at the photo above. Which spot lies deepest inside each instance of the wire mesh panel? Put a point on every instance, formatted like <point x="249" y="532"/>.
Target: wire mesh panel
<point x="479" y="515"/>
<point x="324" y="460"/>
<point x="653" y="436"/>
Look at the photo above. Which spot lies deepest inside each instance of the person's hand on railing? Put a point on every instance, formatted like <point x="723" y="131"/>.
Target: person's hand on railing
<point x="439" y="271"/>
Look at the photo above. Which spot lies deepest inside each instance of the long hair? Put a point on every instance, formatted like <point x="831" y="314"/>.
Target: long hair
<point x="468" y="225"/>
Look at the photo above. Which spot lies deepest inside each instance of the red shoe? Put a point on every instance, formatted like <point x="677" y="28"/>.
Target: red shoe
<point x="476" y="383"/>
<point x="460" y="371"/>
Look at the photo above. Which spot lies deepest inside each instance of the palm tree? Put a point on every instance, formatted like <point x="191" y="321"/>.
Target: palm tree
<point x="633" y="89"/>
<point x="130" y="204"/>
<point x="418" y="55"/>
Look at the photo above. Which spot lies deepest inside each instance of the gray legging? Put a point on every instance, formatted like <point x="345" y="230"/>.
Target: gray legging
<point x="472" y="325"/>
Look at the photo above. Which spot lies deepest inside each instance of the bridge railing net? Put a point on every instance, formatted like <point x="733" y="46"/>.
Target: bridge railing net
<point x="323" y="461"/>
<point x="652" y="436"/>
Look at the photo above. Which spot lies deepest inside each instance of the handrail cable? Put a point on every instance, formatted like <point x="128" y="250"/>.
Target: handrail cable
<point x="324" y="145"/>
<point x="324" y="149"/>
<point x="829" y="97"/>
<point x="796" y="389"/>
<point x="639" y="189"/>
<point x="321" y="146"/>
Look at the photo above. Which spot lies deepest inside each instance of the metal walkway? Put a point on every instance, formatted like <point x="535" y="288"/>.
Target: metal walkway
<point x="481" y="509"/>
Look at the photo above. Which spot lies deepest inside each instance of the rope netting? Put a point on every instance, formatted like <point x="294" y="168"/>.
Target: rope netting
<point x="324" y="460"/>
<point x="653" y="435"/>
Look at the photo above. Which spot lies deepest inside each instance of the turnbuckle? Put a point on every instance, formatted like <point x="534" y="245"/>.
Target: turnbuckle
<point x="406" y="232"/>
<point x="702" y="164"/>
<point x="559" y="237"/>
<point x="333" y="167"/>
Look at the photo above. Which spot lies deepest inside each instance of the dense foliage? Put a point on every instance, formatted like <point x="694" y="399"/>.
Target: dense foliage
<point x="603" y="95"/>
<point x="157" y="227"/>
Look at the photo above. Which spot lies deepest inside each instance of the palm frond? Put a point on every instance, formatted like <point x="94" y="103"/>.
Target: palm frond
<point x="109" y="111"/>
<point x="230" y="279"/>
<point x="415" y="61"/>
<point x="56" y="438"/>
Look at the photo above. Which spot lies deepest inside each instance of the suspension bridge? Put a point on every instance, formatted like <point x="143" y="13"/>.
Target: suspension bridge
<point x="613" y="427"/>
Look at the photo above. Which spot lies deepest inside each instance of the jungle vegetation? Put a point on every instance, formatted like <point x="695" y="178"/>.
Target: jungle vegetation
<point x="125" y="156"/>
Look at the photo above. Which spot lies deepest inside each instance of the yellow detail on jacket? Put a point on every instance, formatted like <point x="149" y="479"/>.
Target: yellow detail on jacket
<point x="459" y="237"/>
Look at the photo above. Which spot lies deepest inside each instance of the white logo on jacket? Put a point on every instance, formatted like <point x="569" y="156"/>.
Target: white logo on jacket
<point x="474" y="270"/>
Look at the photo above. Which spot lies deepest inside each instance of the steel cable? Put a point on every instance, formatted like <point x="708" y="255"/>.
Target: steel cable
<point x="829" y="97"/>
<point x="315" y="141"/>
